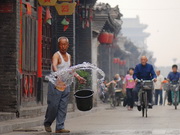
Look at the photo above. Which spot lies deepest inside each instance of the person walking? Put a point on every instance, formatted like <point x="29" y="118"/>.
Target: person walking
<point x="129" y="85"/>
<point x="57" y="98"/>
<point x="158" y="85"/>
<point x="111" y="90"/>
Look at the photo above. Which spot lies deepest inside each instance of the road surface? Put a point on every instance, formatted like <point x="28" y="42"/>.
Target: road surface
<point x="162" y="120"/>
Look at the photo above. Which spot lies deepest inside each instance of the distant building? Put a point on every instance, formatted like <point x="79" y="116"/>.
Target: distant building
<point x="134" y="30"/>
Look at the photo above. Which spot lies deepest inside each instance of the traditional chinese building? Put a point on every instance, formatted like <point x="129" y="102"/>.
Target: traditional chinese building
<point x="106" y="26"/>
<point x="29" y="34"/>
<point x="21" y="51"/>
<point x="133" y="30"/>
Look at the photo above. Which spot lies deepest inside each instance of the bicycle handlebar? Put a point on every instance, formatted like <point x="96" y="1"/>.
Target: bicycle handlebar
<point x="171" y="82"/>
<point x="145" y="80"/>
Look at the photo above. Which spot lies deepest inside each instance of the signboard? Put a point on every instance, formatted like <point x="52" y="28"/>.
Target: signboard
<point x="65" y="8"/>
<point x="47" y="2"/>
<point x="6" y="7"/>
<point x="66" y="0"/>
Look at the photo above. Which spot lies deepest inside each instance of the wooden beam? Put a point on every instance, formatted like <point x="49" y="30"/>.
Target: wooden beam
<point x="20" y="39"/>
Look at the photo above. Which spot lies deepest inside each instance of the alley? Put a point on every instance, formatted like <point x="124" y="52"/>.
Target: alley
<point x="162" y="120"/>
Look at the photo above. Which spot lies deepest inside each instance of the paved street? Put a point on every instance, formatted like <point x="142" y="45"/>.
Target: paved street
<point x="162" y="120"/>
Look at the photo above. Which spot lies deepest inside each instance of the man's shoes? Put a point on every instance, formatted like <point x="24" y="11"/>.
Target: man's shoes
<point x="62" y="131"/>
<point x="138" y="103"/>
<point x="139" y="108"/>
<point x="169" y="103"/>
<point x="48" y="128"/>
<point x="150" y="106"/>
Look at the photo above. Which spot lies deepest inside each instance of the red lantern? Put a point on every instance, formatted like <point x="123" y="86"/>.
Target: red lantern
<point x="114" y="60"/>
<point x="121" y="62"/>
<point x="118" y="60"/>
<point x="110" y="38"/>
<point x="103" y="38"/>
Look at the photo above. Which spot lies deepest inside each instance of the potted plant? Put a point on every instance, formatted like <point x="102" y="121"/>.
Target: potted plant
<point x="86" y="75"/>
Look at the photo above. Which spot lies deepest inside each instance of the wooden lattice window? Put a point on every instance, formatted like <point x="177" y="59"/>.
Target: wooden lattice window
<point x="47" y="45"/>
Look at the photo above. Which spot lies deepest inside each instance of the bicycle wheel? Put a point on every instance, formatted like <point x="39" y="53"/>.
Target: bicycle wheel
<point x="145" y="103"/>
<point x="165" y="97"/>
<point x="175" y="100"/>
<point x="142" y="104"/>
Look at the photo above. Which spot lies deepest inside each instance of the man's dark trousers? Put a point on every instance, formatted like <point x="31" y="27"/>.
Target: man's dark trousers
<point x="158" y="92"/>
<point x="57" y="106"/>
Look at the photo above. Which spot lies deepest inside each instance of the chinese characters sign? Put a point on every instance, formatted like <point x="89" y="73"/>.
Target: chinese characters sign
<point x="47" y="2"/>
<point x="65" y="8"/>
<point x="6" y="7"/>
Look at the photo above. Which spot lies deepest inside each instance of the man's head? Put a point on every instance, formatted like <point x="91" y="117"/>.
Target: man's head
<point x="63" y="44"/>
<point x="174" y="68"/>
<point x="122" y="77"/>
<point x="117" y="76"/>
<point x="158" y="72"/>
<point x="144" y="60"/>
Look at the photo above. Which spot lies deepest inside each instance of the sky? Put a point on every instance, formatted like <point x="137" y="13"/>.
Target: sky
<point x="163" y="20"/>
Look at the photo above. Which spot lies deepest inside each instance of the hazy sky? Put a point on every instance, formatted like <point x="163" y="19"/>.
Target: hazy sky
<point x="163" y="18"/>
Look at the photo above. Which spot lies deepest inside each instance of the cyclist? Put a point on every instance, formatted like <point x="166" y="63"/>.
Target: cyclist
<point x="143" y="71"/>
<point x="173" y="77"/>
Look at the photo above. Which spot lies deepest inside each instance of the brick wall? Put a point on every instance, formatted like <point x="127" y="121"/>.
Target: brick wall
<point x="57" y="31"/>
<point x="83" y="42"/>
<point x="8" y="60"/>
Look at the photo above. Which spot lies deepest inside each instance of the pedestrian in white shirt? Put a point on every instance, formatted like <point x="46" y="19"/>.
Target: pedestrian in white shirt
<point x="158" y="88"/>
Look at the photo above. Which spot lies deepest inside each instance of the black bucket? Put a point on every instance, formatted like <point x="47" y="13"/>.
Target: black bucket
<point x="84" y="99"/>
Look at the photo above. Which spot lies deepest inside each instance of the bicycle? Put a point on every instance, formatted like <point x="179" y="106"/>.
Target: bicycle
<point x="166" y="89"/>
<point x="111" y="91"/>
<point x="174" y="87"/>
<point x="145" y="85"/>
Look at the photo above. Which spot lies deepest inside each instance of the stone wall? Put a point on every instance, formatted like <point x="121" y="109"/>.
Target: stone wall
<point x="8" y="59"/>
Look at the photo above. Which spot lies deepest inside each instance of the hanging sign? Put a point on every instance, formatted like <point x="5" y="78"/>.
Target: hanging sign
<point x="29" y="8"/>
<point x="48" y="16"/>
<point x="66" y="0"/>
<point x="47" y="2"/>
<point x="65" y="8"/>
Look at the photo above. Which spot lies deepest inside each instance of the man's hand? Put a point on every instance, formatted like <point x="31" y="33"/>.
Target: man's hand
<point x="155" y="80"/>
<point x="136" y="80"/>
<point x="124" y="90"/>
<point x="81" y="79"/>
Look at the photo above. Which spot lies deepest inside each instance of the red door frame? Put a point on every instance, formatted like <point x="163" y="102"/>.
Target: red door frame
<point x="39" y="61"/>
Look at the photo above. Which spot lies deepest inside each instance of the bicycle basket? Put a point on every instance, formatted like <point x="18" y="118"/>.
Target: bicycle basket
<point x="166" y="86"/>
<point x="148" y="86"/>
<point x="174" y="87"/>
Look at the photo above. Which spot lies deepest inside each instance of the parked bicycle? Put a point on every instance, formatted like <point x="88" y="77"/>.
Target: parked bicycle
<point x="174" y="87"/>
<point x="146" y="85"/>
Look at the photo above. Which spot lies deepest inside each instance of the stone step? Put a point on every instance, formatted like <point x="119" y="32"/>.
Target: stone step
<point x="4" y="116"/>
<point x="30" y="112"/>
<point x="27" y="123"/>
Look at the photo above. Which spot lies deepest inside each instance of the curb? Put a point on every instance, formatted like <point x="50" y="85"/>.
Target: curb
<point x="11" y="125"/>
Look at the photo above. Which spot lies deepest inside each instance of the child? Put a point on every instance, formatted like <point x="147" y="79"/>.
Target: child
<point x="129" y="84"/>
